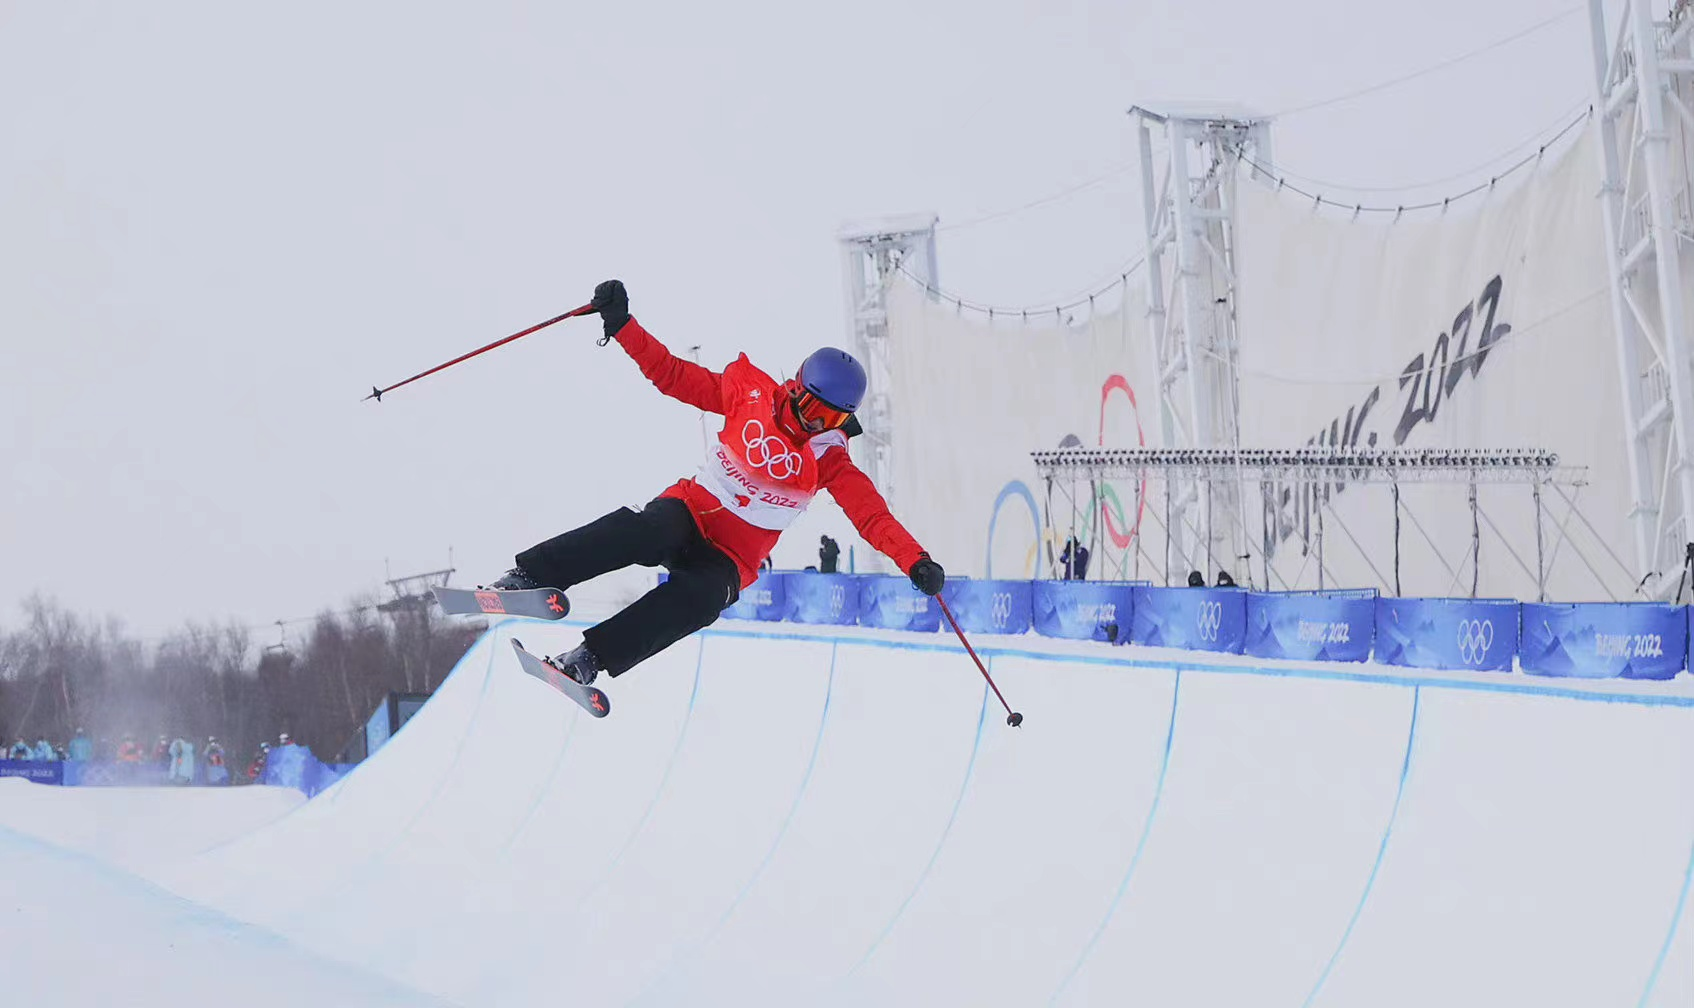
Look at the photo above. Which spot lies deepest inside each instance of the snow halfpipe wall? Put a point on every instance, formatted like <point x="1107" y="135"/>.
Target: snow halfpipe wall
<point x="777" y="816"/>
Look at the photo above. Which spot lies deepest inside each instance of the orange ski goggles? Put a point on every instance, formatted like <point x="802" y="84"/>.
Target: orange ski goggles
<point x="815" y="415"/>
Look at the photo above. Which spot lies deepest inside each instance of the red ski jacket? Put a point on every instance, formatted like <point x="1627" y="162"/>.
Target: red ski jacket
<point x="758" y="477"/>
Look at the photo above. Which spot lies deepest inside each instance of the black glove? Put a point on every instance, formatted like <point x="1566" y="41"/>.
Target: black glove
<point x="927" y="575"/>
<point x="612" y="302"/>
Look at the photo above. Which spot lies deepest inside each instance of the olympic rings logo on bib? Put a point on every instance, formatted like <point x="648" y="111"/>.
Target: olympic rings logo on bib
<point x="768" y="453"/>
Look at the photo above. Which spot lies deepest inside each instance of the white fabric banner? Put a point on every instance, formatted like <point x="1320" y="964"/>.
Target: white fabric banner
<point x="973" y="398"/>
<point x="1486" y="327"/>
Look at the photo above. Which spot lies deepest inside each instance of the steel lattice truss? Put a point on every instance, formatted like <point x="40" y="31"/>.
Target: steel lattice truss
<point x="1314" y="465"/>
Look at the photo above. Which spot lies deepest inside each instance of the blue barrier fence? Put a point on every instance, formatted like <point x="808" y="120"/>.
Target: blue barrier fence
<point x="294" y="766"/>
<point x="823" y="598"/>
<point x="1080" y="610"/>
<point x="1429" y="633"/>
<point x="1311" y="626"/>
<point x="39" y="771"/>
<point x="288" y="766"/>
<point x="999" y="607"/>
<point x="1604" y="640"/>
<point x="1597" y="640"/>
<point x="1194" y="619"/>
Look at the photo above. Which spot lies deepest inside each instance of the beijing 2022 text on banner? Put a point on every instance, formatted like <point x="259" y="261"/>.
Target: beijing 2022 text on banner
<point x="1312" y="626"/>
<point x="1604" y="640"/>
<point x="1083" y="610"/>
<point x="39" y="771"/>
<point x="1438" y="633"/>
<point x="1196" y="619"/>
<point x="891" y="603"/>
<point x="996" y="607"/>
<point x="822" y="598"/>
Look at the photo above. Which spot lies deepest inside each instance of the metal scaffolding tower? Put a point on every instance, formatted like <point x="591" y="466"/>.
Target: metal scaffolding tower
<point x="1189" y="201"/>
<point x="1644" y="79"/>
<point x="871" y="253"/>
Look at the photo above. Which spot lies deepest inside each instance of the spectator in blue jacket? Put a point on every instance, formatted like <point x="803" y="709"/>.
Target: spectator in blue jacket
<point x="182" y="761"/>
<point x="216" y="770"/>
<point x="44" y="751"/>
<point x="20" y="750"/>
<point x="82" y="747"/>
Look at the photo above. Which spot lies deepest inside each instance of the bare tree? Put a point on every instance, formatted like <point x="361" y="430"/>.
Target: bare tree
<point x="60" y="672"/>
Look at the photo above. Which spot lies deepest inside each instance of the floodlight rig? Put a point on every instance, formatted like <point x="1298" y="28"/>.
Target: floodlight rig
<point x="1080" y="474"/>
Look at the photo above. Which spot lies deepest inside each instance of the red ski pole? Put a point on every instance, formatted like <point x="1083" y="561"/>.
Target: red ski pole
<point x="1013" y="718"/>
<point x="377" y="393"/>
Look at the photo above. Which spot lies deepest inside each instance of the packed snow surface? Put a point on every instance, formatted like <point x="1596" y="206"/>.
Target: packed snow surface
<point x="776" y="816"/>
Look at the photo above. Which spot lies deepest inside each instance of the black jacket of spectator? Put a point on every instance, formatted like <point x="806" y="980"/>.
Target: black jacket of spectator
<point x="1075" y="560"/>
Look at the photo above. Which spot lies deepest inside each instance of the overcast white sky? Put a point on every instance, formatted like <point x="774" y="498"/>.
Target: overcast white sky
<point x="221" y="224"/>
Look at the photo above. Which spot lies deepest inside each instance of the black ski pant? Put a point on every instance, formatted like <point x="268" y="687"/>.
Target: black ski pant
<point x="703" y="582"/>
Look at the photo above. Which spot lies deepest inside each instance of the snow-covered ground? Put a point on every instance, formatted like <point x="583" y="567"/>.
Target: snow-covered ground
<point x="781" y="816"/>
<point x="140" y="827"/>
<point x="81" y="931"/>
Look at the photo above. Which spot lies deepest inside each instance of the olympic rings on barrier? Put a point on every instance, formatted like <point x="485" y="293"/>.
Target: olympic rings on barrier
<point x="1210" y="620"/>
<point x="1475" y="638"/>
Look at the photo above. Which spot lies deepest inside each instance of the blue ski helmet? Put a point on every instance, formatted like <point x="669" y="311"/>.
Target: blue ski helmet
<point x="835" y="377"/>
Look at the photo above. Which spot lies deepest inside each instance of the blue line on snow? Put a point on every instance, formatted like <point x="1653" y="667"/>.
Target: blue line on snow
<point x="552" y="779"/>
<point x="507" y="978"/>
<point x="1415" y="683"/>
<point x="952" y="817"/>
<point x="364" y="876"/>
<point x="1670" y="935"/>
<point x="1140" y="846"/>
<point x="1370" y="880"/>
<point x="659" y="792"/>
<point x="805" y="781"/>
<point x="770" y="855"/>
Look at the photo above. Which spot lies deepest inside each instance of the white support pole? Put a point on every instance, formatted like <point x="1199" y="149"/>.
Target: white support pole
<point x="1624" y="324"/>
<point x="1649" y="304"/>
<point x="1188" y="272"/>
<point x="1191" y="275"/>
<point x="1157" y="318"/>
<point x="871" y="254"/>
<point x="1662" y="208"/>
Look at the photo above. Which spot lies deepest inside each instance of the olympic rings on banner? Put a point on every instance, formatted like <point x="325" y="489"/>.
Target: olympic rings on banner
<point x="1475" y="638"/>
<point x="1210" y="620"/>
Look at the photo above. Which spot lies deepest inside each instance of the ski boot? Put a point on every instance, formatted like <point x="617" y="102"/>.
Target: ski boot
<point x="516" y="579"/>
<point x="580" y="664"/>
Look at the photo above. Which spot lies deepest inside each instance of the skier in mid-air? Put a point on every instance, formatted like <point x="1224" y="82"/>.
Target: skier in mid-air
<point x="781" y="443"/>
